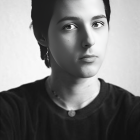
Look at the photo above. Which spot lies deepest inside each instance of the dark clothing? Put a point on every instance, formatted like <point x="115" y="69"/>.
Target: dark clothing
<point x="28" y="113"/>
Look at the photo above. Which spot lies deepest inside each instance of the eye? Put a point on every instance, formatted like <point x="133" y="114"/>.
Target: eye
<point x="98" y="24"/>
<point x="70" y="27"/>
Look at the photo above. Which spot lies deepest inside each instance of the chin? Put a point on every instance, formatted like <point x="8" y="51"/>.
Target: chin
<point x="87" y="70"/>
<point x="88" y="73"/>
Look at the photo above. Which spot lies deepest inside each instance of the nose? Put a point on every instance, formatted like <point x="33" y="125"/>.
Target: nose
<point x="88" y="38"/>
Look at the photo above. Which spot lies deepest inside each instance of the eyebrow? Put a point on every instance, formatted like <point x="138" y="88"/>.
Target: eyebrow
<point x="77" y="18"/>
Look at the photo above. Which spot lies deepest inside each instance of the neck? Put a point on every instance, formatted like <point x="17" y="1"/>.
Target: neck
<point x="74" y="91"/>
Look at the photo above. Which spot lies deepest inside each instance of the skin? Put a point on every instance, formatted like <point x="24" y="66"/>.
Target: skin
<point x="71" y="39"/>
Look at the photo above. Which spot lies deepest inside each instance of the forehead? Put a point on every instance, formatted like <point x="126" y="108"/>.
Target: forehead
<point x="79" y="8"/>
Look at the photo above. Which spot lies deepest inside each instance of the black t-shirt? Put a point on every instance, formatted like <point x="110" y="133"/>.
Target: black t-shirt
<point x="28" y="113"/>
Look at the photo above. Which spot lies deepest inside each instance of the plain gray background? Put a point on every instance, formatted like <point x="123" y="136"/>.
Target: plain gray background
<point x="20" y="55"/>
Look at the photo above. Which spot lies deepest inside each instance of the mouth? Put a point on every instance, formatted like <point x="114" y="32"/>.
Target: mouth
<point x="88" y="58"/>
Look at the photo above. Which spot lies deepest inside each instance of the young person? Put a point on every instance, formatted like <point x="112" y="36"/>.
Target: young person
<point x="72" y="103"/>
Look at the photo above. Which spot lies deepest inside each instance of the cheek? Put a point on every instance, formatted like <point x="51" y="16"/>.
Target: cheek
<point x="102" y="44"/>
<point x="63" y="44"/>
<point x="62" y="47"/>
<point x="103" y="39"/>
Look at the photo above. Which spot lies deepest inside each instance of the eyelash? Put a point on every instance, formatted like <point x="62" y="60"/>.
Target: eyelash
<point x="99" y="22"/>
<point x="64" y="28"/>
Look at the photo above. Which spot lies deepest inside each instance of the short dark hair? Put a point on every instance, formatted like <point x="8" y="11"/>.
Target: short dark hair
<point x="42" y="11"/>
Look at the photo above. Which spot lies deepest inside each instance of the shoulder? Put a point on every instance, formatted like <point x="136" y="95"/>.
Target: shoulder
<point x="124" y="95"/>
<point x="21" y="95"/>
<point x="18" y="107"/>
<point x="22" y="90"/>
<point x="125" y="106"/>
<point x="125" y="99"/>
<point x="120" y="95"/>
<point x="121" y="100"/>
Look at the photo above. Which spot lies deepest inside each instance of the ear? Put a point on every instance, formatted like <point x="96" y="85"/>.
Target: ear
<point x="42" y="42"/>
<point x="41" y="38"/>
<point x="43" y="51"/>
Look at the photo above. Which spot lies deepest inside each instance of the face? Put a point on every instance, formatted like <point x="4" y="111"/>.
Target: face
<point x="78" y="35"/>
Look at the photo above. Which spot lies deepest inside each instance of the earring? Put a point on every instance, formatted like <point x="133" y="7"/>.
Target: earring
<point x="47" y="59"/>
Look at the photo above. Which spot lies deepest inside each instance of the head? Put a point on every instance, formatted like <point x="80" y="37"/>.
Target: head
<point x="45" y="15"/>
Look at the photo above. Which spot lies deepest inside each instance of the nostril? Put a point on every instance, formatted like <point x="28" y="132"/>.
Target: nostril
<point x="89" y="41"/>
<point x="87" y="44"/>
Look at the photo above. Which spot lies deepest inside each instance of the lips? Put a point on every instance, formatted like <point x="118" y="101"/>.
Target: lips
<point x="88" y="58"/>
